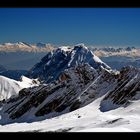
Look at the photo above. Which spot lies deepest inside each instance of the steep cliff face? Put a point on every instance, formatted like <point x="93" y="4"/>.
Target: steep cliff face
<point x="127" y="89"/>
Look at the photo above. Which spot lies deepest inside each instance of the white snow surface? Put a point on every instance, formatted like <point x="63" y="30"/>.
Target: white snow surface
<point x="65" y="48"/>
<point x="86" y="119"/>
<point x="97" y="59"/>
<point x="10" y="87"/>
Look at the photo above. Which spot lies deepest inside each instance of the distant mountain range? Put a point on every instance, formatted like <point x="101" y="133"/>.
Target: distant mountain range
<point x="14" y="55"/>
<point x="112" y="51"/>
<point x="43" y="47"/>
<point x="25" y="47"/>
<point x="116" y="58"/>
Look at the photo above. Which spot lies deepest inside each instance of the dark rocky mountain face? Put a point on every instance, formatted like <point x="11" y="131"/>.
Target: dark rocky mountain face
<point x="75" y="88"/>
<point x="55" y="62"/>
<point x="127" y="89"/>
<point x="56" y="98"/>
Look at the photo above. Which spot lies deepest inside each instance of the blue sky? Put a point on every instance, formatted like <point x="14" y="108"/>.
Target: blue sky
<point x="68" y="26"/>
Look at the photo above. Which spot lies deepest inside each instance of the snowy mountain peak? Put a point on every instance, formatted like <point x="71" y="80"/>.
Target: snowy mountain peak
<point x="65" y="48"/>
<point x="80" y="46"/>
<point x="19" y="43"/>
<point x="63" y="58"/>
<point x="76" y="47"/>
<point x="23" y="44"/>
<point x="16" y="44"/>
<point x="7" y="44"/>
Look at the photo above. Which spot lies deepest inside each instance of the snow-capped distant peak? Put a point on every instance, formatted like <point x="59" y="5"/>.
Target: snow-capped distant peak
<point x="25" y="47"/>
<point x="22" y="43"/>
<point x="19" y="43"/>
<point x="8" y="44"/>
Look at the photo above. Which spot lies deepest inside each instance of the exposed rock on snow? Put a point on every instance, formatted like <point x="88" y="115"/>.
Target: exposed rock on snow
<point x="76" y="87"/>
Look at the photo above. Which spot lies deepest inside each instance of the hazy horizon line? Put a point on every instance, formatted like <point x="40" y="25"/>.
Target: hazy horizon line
<point x="73" y="44"/>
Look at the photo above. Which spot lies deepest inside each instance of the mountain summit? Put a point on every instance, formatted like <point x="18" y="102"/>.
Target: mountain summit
<point x="56" y="61"/>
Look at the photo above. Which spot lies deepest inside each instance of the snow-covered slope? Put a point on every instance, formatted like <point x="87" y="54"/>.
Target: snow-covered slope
<point x="10" y="87"/>
<point x="77" y="87"/>
<point x="62" y="58"/>
<point x="86" y="119"/>
<point x="53" y="99"/>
